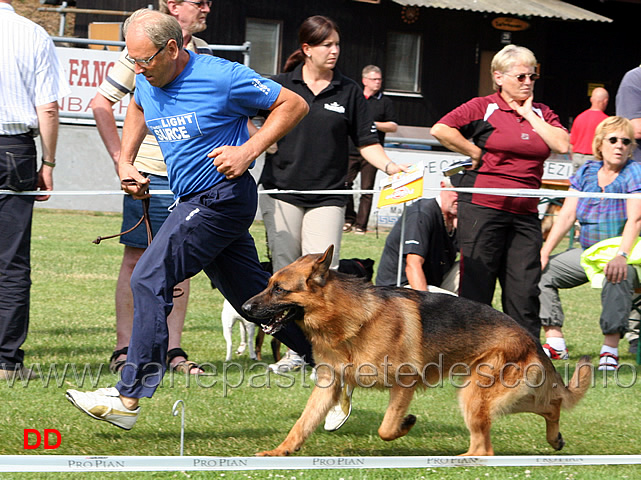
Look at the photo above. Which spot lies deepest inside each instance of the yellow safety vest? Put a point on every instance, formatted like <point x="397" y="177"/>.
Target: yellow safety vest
<point x="595" y="258"/>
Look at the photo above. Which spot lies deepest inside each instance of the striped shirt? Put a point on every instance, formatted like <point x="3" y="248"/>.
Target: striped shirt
<point x="603" y="218"/>
<point x="30" y="72"/>
<point x="121" y="81"/>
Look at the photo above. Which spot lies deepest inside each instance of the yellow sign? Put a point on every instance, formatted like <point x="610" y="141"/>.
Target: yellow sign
<point x="510" y="24"/>
<point x="592" y="86"/>
<point x="402" y="187"/>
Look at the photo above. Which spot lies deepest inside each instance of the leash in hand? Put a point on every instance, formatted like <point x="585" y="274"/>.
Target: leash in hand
<point x="178" y="292"/>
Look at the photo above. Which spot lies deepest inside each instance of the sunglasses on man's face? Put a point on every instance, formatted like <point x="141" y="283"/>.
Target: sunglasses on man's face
<point x="624" y="141"/>
<point x="521" y="77"/>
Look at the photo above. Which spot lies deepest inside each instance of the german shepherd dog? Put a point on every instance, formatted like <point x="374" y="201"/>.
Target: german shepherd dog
<point x="398" y="338"/>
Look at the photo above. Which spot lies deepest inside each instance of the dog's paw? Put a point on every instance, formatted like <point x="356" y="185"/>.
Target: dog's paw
<point x="277" y="452"/>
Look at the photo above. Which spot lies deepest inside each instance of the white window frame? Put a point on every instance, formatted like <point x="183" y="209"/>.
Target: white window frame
<point x="261" y="52"/>
<point x="395" y="59"/>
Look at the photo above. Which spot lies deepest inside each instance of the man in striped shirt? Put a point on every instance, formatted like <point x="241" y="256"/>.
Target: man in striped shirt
<point x="31" y="84"/>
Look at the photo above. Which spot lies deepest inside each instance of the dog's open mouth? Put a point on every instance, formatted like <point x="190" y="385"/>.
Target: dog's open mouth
<point x="281" y="318"/>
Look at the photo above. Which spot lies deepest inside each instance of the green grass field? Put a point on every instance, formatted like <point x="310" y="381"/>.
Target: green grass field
<point x="243" y="410"/>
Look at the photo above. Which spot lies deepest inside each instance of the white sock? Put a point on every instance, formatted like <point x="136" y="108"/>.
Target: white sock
<point x="557" y="343"/>
<point x="611" y="350"/>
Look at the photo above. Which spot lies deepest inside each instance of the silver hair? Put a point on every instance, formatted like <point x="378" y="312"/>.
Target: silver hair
<point x="371" y="68"/>
<point x="158" y="27"/>
<point x="509" y="56"/>
<point x="164" y="8"/>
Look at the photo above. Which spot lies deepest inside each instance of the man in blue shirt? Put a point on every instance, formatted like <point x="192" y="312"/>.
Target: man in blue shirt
<point x="197" y="106"/>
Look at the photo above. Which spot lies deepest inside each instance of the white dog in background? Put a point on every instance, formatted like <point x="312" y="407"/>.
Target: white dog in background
<point x="359" y="267"/>
<point x="229" y="317"/>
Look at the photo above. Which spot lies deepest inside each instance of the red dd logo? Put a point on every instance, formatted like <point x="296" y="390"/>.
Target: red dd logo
<point x="46" y="434"/>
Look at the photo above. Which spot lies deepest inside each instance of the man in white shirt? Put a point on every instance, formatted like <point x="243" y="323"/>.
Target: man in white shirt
<point x="31" y="84"/>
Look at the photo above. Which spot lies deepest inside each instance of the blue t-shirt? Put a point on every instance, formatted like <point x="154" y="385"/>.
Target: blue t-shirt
<point x="206" y="106"/>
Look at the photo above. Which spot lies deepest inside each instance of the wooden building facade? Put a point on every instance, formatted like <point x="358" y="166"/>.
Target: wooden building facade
<point x="433" y="59"/>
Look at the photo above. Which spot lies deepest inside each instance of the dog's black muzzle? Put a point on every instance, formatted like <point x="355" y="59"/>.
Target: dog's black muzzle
<point x="272" y="318"/>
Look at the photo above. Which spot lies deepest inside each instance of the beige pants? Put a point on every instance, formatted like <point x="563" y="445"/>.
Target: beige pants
<point x="295" y="231"/>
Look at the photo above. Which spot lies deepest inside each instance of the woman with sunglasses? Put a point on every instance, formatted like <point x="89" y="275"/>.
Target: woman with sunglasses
<point x="511" y="137"/>
<point x="600" y="219"/>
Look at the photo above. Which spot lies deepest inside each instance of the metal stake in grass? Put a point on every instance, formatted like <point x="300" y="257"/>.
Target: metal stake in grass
<point x="174" y="410"/>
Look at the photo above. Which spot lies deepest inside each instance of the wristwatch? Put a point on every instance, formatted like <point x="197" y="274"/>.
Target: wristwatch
<point x="623" y="254"/>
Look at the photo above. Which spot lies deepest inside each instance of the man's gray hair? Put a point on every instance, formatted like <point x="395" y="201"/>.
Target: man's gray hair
<point x="371" y="68"/>
<point x="162" y="5"/>
<point x="158" y="27"/>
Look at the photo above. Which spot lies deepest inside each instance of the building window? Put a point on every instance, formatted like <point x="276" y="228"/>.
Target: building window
<point x="402" y="62"/>
<point x="265" y="38"/>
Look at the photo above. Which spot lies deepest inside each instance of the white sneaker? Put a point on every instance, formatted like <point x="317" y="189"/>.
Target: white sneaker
<point x="340" y="412"/>
<point x="104" y="404"/>
<point x="291" y="362"/>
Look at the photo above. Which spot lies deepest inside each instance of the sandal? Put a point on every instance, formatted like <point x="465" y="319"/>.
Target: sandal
<point x="608" y="362"/>
<point x="185" y="366"/>
<point x="116" y="365"/>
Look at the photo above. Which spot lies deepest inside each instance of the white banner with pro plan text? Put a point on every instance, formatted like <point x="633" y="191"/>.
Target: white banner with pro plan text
<point x="96" y="463"/>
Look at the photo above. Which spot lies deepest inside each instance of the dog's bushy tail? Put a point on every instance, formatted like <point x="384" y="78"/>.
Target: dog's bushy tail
<point x="579" y="383"/>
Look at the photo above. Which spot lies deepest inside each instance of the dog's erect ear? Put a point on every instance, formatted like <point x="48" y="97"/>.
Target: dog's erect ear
<point x="321" y="266"/>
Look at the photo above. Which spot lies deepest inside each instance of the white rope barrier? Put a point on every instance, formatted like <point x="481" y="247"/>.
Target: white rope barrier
<point x="506" y="192"/>
<point x="78" y="192"/>
<point x="79" y="463"/>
